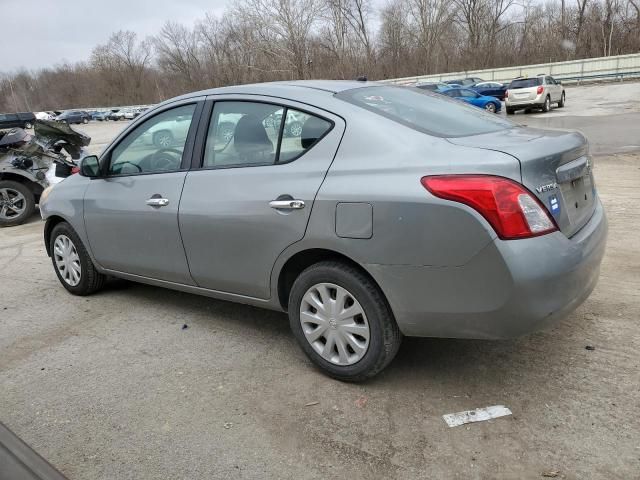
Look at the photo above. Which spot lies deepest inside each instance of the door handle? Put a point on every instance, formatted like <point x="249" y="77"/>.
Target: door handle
<point x="287" y="204"/>
<point x="157" y="202"/>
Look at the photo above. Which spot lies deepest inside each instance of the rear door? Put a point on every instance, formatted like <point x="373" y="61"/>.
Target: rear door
<point x="252" y="189"/>
<point x="131" y="213"/>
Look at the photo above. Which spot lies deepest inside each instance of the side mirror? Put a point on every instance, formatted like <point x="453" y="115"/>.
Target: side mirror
<point x="90" y="167"/>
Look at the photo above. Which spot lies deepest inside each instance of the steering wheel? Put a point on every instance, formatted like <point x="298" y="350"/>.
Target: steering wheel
<point x="166" y="159"/>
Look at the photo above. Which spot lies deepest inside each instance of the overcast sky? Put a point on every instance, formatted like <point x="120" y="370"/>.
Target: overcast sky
<point x="42" y="33"/>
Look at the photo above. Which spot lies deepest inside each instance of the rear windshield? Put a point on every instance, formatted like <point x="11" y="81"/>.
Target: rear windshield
<point x="425" y="111"/>
<point x="526" y="83"/>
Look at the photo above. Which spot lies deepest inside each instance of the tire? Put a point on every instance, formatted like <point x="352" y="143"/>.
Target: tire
<point x="510" y="111"/>
<point x="85" y="120"/>
<point x="90" y="280"/>
<point x="561" y="102"/>
<point x="546" y="106"/>
<point x="28" y="125"/>
<point x="375" y="320"/>
<point x="17" y="203"/>
<point x="490" y="107"/>
<point x="163" y="139"/>
<point x="226" y="131"/>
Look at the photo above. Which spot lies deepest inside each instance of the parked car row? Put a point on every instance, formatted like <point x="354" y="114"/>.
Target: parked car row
<point x="522" y="93"/>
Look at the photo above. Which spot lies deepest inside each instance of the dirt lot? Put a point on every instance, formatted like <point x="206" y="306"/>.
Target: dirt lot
<point x="111" y="386"/>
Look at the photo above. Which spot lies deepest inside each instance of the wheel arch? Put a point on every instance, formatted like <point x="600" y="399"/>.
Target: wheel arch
<point x="303" y="259"/>
<point x="49" y="225"/>
<point x="34" y="186"/>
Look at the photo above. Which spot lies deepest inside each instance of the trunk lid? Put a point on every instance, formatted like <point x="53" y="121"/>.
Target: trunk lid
<point x="555" y="166"/>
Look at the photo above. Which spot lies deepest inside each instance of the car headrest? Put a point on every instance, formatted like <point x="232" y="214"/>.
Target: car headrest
<point x="250" y="135"/>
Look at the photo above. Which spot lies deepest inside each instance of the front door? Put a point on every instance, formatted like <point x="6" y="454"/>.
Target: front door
<point x="131" y="213"/>
<point x="262" y="166"/>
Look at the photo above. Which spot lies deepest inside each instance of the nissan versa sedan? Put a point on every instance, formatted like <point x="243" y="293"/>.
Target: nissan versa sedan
<point x="392" y="211"/>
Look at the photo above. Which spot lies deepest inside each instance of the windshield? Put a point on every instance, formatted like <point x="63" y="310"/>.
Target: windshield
<point x="424" y="111"/>
<point x="526" y="83"/>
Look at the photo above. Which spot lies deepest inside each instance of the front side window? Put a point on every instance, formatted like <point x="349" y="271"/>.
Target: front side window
<point x="154" y="146"/>
<point x="468" y="94"/>
<point x="423" y="111"/>
<point x="253" y="134"/>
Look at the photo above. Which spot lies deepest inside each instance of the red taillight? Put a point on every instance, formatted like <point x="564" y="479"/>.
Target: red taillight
<point x="512" y="211"/>
<point x="75" y="170"/>
<point x="539" y="90"/>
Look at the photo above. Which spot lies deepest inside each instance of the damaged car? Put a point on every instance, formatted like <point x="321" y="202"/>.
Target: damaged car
<point x="29" y="163"/>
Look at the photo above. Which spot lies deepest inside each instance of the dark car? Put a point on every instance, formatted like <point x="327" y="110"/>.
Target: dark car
<point x="73" y="116"/>
<point x="490" y="89"/>
<point x="433" y="87"/>
<point x="19" y="120"/>
<point x="465" y="82"/>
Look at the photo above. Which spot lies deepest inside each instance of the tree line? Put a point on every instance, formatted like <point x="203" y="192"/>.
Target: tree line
<point x="266" y="40"/>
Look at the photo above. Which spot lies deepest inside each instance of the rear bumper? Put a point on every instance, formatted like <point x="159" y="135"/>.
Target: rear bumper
<point x="508" y="289"/>
<point x="534" y="102"/>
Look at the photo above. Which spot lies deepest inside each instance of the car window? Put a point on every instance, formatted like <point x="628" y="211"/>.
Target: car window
<point x="550" y="81"/>
<point x="155" y="146"/>
<point x="424" y="111"/>
<point x="243" y="133"/>
<point x="525" y="83"/>
<point x="452" y="93"/>
<point x="468" y="94"/>
<point x="301" y="131"/>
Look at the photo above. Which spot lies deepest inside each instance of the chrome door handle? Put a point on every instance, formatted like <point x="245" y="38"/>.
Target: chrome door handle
<point x="287" y="204"/>
<point x="158" y="202"/>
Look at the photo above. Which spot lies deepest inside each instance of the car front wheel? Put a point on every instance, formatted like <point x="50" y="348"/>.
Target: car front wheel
<point x="17" y="203"/>
<point x="342" y="321"/>
<point x="490" y="107"/>
<point x="72" y="262"/>
<point x="561" y="102"/>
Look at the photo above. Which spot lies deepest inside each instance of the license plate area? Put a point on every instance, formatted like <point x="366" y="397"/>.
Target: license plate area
<point x="579" y="198"/>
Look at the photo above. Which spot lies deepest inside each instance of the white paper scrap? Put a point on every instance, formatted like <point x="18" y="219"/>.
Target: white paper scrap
<point x="477" y="415"/>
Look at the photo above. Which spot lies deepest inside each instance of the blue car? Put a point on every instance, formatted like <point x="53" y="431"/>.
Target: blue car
<point x="490" y="104"/>
<point x="490" y="89"/>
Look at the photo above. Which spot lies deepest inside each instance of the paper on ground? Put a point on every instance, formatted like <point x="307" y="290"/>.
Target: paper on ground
<point x="477" y="415"/>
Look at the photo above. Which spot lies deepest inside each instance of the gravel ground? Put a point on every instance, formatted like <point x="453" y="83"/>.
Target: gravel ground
<point x="112" y="387"/>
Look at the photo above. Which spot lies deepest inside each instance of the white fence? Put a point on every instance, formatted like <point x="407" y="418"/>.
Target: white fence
<point x="617" y="67"/>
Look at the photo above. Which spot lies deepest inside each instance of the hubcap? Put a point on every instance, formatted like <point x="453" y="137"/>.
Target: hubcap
<point x="490" y="107"/>
<point x="164" y="141"/>
<point x="334" y="324"/>
<point x="67" y="260"/>
<point x="296" y="130"/>
<point x="12" y="203"/>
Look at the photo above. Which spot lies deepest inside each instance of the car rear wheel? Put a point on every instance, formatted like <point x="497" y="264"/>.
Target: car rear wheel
<point x="85" y="120"/>
<point x="490" y="107"/>
<point x="510" y="111"/>
<point x="561" y="102"/>
<point x="17" y="203"/>
<point x="342" y="321"/>
<point x="28" y="125"/>
<point x="546" y="106"/>
<point x="72" y="262"/>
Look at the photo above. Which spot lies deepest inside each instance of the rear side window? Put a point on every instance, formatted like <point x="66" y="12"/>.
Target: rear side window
<point x="526" y="83"/>
<point x="426" y="112"/>
<point x="252" y="134"/>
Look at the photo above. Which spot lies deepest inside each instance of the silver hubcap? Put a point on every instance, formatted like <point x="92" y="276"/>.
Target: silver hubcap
<point x="164" y="141"/>
<point x="334" y="324"/>
<point x="67" y="260"/>
<point x="490" y="107"/>
<point x="296" y="130"/>
<point x="12" y="203"/>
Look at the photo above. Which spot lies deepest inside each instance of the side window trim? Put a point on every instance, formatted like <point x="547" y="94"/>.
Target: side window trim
<point x="105" y="159"/>
<point x="207" y="117"/>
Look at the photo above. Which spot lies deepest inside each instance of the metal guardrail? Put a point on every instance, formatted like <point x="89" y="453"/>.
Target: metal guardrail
<point x="589" y="69"/>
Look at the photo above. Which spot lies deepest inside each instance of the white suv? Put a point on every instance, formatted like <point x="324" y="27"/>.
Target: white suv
<point x="537" y="92"/>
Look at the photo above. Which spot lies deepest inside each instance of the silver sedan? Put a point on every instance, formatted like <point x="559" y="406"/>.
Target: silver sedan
<point x="385" y="212"/>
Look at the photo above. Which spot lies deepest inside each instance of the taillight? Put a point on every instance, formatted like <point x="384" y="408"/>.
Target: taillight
<point x="75" y="170"/>
<point x="540" y="90"/>
<point x="511" y="209"/>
